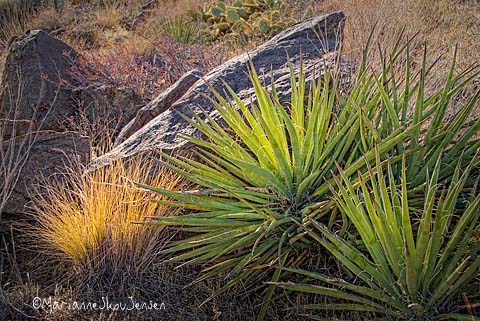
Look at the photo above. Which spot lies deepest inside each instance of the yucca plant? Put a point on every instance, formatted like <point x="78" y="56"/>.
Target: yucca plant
<point x="267" y="169"/>
<point x="183" y="30"/>
<point x="413" y="263"/>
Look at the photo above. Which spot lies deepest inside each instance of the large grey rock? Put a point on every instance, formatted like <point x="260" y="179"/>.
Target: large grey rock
<point x="160" y="104"/>
<point x="309" y="41"/>
<point x="37" y="81"/>
<point x="37" y="158"/>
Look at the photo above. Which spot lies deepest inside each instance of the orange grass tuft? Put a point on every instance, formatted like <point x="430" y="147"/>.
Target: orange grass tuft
<point x="88" y="217"/>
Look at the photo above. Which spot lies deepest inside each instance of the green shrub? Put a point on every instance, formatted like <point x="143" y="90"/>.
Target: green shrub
<point x="269" y="170"/>
<point x="183" y="30"/>
<point x="414" y="264"/>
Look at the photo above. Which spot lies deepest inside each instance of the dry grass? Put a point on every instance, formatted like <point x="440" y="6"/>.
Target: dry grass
<point x="439" y="23"/>
<point x="87" y="219"/>
<point x="13" y="14"/>
<point x="166" y="10"/>
<point x="109" y="17"/>
<point x="174" y="8"/>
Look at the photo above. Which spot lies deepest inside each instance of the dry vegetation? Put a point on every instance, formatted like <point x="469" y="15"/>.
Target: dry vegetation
<point x="87" y="218"/>
<point x="112" y="33"/>
<point x="440" y="24"/>
<point x="84" y="222"/>
<point x="437" y="25"/>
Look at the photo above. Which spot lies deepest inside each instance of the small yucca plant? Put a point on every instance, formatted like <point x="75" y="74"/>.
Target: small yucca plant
<point x="183" y="30"/>
<point x="268" y="170"/>
<point x="413" y="264"/>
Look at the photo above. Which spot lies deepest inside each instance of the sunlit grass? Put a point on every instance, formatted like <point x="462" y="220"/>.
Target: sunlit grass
<point x="89" y="217"/>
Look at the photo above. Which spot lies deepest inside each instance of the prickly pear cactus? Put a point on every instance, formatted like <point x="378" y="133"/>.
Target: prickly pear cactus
<point x="243" y="19"/>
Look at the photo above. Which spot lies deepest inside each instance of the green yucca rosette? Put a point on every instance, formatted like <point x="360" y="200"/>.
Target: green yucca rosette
<point x="268" y="171"/>
<point x="413" y="266"/>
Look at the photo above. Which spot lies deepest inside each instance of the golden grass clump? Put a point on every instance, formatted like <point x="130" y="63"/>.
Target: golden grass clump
<point x="87" y="218"/>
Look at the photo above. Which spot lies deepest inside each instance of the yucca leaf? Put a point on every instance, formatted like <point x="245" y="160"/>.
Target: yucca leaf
<point x="355" y="288"/>
<point x="331" y="292"/>
<point x="417" y="113"/>
<point x="460" y="236"/>
<point x="457" y="316"/>
<point x="271" y="288"/>
<point x="351" y="257"/>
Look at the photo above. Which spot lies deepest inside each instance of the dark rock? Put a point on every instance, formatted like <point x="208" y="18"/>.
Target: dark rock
<point x="38" y="104"/>
<point x="10" y="128"/>
<point x="309" y="41"/>
<point x="44" y="82"/>
<point x="37" y="81"/>
<point x="107" y="108"/>
<point x="43" y="99"/>
<point x="40" y="157"/>
<point x="159" y="104"/>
